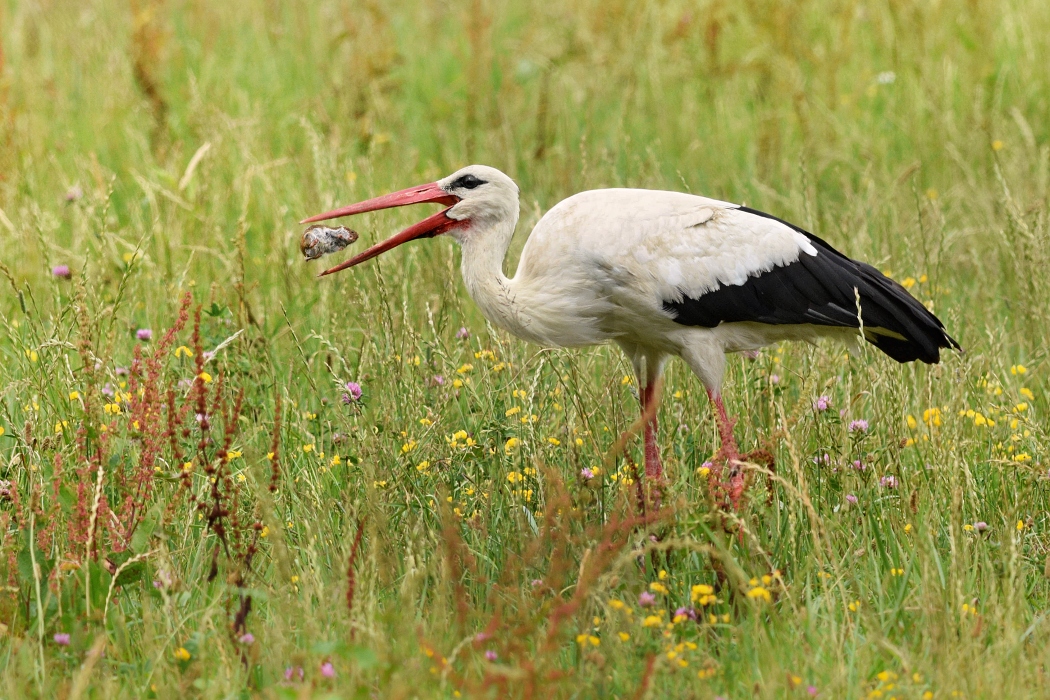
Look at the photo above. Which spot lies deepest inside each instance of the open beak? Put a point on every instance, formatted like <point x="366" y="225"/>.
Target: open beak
<point x="431" y="226"/>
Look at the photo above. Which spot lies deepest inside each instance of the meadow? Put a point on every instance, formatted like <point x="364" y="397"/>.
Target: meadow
<point x="223" y="477"/>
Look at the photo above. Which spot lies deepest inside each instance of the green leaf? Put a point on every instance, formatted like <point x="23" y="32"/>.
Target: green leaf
<point x="140" y="540"/>
<point x="326" y="648"/>
<point x="364" y="657"/>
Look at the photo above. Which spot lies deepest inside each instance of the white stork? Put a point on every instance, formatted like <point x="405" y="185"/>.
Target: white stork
<point x="660" y="274"/>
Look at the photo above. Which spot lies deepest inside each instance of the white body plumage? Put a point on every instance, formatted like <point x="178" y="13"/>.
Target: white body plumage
<point x="599" y="265"/>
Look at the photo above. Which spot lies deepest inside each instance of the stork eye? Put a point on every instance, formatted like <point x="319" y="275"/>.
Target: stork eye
<point x="467" y="182"/>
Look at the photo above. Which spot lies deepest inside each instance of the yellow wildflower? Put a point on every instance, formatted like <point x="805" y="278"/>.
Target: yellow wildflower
<point x="1020" y="525"/>
<point x="74" y="395"/>
<point x="233" y="454"/>
<point x="626" y="380"/>
<point x="657" y="587"/>
<point x="183" y="350"/>
<point x="1018" y="369"/>
<point x="760" y="592"/>
<point x="554" y="441"/>
<point x="623" y="636"/>
<point x="182" y="654"/>
<point x="423" y="466"/>
<point x="513" y="411"/>
<point x="511" y="444"/>
<point x="408" y="446"/>
<point x="912" y="423"/>
<point x="308" y="447"/>
<point x="465" y="368"/>
<point x="931" y="416"/>
<point x="1027" y="393"/>
<point x="204" y="377"/>
<point x="651" y="621"/>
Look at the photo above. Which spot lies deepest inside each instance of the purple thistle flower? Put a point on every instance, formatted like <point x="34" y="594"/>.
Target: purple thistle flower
<point x="586" y="473"/>
<point x="462" y="334"/>
<point x="62" y="639"/>
<point x="851" y="498"/>
<point x="107" y="390"/>
<point x="858" y="426"/>
<point x="62" y="271"/>
<point x="859" y="465"/>
<point x="290" y="672"/>
<point x="774" y="379"/>
<point x="328" y="670"/>
<point x="144" y="334"/>
<point x="121" y="371"/>
<point x="247" y="638"/>
<point x="822" y="403"/>
<point x="687" y="612"/>
<point x="889" y="481"/>
<point x="537" y="582"/>
<point x="353" y="390"/>
<point x="438" y="380"/>
<point x="646" y="599"/>
<point x="481" y="637"/>
<point x="812" y="690"/>
<point x="980" y="526"/>
<point x="491" y="655"/>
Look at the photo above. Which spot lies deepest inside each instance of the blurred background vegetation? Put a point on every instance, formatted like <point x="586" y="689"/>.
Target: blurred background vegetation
<point x="159" y="147"/>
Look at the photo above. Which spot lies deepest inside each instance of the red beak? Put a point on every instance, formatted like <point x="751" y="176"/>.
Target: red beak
<point x="431" y="226"/>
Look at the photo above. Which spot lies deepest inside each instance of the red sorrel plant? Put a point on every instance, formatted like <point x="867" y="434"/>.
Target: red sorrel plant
<point x="121" y="475"/>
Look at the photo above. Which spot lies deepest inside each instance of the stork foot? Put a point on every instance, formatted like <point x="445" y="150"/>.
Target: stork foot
<point x="729" y="492"/>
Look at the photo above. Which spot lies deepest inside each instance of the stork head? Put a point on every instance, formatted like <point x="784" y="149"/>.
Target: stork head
<point x="478" y="197"/>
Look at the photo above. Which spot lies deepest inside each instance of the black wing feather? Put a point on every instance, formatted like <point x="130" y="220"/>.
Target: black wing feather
<point x="822" y="290"/>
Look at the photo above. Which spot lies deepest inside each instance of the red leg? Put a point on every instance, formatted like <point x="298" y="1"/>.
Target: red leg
<point x="653" y="468"/>
<point x="728" y="454"/>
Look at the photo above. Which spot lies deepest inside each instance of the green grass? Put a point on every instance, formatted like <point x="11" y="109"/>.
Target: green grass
<point x="914" y="135"/>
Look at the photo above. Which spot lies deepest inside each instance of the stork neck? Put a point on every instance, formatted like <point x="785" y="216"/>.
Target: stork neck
<point x="484" y="249"/>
